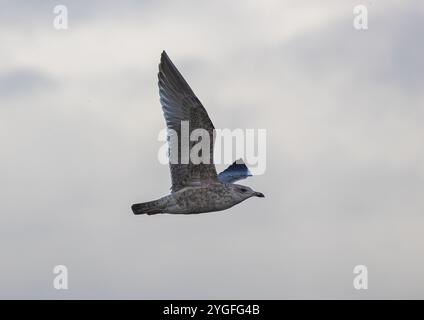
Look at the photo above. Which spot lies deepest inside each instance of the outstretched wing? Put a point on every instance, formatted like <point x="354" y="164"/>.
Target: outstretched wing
<point x="179" y="103"/>
<point x="237" y="171"/>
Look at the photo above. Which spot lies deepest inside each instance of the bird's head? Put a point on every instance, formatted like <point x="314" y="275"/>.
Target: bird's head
<point x="244" y="192"/>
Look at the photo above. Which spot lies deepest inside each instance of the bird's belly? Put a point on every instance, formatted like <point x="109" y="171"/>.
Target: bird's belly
<point x="200" y="201"/>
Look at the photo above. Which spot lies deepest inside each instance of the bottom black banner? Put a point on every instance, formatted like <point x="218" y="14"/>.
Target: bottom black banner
<point x="209" y="309"/>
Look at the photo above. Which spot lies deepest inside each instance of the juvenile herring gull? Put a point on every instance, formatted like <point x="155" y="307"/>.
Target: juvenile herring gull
<point x="196" y="187"/>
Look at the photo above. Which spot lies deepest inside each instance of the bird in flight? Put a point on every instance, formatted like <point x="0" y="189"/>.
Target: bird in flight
<point x="196" y="187"/>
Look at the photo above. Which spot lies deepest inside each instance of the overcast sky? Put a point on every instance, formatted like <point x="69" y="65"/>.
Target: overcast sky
<point x="344" y="114"/>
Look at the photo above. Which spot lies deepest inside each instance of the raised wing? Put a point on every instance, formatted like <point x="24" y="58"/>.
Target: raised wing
<point x="179" y="103"/>
<point x="237" y="171"/>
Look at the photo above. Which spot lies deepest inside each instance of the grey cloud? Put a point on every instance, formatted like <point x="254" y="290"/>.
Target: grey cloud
<point x="343" y="180"/>
<point x="23" y="81"/>
<point x="35" y="14"/>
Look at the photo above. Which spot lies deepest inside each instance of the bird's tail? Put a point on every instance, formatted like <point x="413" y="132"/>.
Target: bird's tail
<point x="151" y="207"/>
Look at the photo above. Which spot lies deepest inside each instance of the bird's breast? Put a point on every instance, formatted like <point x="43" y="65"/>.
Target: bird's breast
<point x="204" y="199"/>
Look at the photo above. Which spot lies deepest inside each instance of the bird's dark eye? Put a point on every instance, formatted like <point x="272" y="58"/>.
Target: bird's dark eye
<point x="243" y="190"/>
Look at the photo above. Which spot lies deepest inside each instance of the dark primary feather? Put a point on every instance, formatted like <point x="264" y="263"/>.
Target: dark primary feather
<point x="237" y="171"/>
<point x="179" y="103"/>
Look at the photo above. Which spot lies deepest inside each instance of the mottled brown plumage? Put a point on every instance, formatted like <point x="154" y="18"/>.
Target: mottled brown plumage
<point x="196" y="188"/>
<point x="179" y="103"/>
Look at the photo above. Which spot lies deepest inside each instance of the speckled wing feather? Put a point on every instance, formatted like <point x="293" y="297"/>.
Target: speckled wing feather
<point x="179" y="103"/>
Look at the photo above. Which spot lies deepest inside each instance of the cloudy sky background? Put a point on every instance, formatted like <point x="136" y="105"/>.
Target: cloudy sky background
<point x="343" y="109"/>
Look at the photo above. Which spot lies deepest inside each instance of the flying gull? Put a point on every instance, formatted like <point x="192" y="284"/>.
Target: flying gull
<point x="196" y="187"/>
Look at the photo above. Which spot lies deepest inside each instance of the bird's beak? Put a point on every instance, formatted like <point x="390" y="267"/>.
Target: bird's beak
<point x="259" y="194"/>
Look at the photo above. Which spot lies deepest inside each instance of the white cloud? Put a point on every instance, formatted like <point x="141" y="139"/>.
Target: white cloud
<point x="344" y="174"/>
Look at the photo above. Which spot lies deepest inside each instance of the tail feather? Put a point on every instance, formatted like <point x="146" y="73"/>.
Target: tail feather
<point x="151" y="207"/>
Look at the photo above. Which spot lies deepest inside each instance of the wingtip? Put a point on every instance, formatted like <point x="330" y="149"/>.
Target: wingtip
<point x="239" y="161"/>
<point x="163" y="59"/>
<point x="164" y="56"/>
